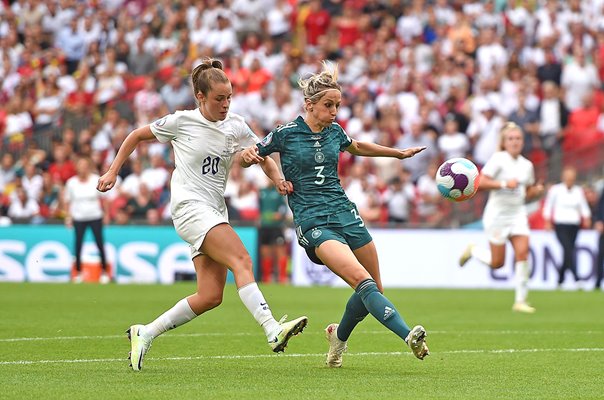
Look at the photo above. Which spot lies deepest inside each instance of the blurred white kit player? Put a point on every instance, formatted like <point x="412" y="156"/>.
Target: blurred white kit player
<point x="509" y="176"/>
<point x="505" y="213"/>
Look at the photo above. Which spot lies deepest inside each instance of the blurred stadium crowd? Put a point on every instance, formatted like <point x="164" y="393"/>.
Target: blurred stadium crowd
<point x="77" y="76"/>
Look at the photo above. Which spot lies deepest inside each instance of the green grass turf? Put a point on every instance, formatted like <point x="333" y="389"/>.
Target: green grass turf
<point x="480" y="349"/>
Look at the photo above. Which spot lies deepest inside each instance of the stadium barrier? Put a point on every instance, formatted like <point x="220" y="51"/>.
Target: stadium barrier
<point x="44" y="253"/>
<point x="408" y="258"/>
<point x="429" y="259"/>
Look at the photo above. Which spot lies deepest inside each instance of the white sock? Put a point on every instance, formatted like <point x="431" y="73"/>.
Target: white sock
<point x="522" y="277"/>
<point x="481" y="254"/>
<point x="253" y="299"/>
<point x="178" y="315"/>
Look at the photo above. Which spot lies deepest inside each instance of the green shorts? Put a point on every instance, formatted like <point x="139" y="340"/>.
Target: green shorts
<point x="346" y="227"/>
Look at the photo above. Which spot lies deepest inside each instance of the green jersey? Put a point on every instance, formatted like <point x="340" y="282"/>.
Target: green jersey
<point x="310" y="161"/>
<point x="272" y="207"/>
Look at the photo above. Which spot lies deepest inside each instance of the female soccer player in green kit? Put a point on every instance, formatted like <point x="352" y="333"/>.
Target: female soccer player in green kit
<point x="328" y="224"/>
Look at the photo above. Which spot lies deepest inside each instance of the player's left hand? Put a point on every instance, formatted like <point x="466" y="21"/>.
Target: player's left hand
<point x="251" y="156"/>
<point x="285" y="187"/>
<point x="410" y="152"/>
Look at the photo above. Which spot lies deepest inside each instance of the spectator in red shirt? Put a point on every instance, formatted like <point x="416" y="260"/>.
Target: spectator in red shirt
<point x="316" y="23"/>
<point x="62" y="168"/>
<point x="348" y="25"/>
<point x="258" y="77"/>
<point x="582" y="125"/>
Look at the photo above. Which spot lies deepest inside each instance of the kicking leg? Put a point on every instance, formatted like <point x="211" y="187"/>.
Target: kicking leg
<point x="342" y="261"/>
<point x="224" y="246"/>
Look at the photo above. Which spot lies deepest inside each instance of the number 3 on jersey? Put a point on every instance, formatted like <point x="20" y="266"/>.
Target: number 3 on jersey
<point x="210" y="164"/>
<point x="320" y="176"/>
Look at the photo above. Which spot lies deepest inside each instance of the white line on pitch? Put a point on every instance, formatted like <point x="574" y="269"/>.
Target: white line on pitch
<point x="385" y="331"/>
<point x="257" y="356"/>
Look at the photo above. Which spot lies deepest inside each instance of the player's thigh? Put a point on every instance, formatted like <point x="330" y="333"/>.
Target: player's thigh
<point x="341" y="260"/>
<point x="367" y="256"/>
<point x="224" y="246"/>
<point x="520" y="243"/>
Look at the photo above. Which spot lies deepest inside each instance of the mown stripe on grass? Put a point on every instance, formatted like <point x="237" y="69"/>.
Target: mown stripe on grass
<point x="384" y="331"/>
<point x="293" y="355"/>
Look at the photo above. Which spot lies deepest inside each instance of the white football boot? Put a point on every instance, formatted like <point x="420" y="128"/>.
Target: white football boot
<point x="139" y="346"/>
<point x="278" y="341"/>
<point x="416" y="340"/>
<point x="466" y="255"/>
<point x="336" y="347"/>
<point x="523" y="308"/>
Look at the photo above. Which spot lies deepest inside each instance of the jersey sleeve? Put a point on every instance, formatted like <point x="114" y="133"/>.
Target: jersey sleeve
<point x="271" y="143"/>
<point x="531" y="175"/>
<point x="344" y="139"/>
<point x="165" y="128"/>
<point x="247" y="137"/>
<point x="67" y="194"/>
<point x="493" y="166"/>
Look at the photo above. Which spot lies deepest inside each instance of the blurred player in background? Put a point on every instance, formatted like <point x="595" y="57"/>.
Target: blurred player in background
<point x="205" y="140"/>
<point x="84" y="209"/>
<point x="328" y="224"/>
<point x="511" y="179"/>
<point x="273" y="248"/>
<point x="566" y="210"/>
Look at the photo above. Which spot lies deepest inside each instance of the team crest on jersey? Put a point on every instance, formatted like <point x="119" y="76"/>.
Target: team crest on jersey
<point x="316" y="233"/>
<point x="161" y="121"/>
<point x="267" y="139"/>
<point x="229" y="142"/>
<point x="319" y="157"/>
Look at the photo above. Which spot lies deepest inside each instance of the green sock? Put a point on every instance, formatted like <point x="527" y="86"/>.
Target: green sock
<point x="355" y="312"/>
<point x="381" y="308"/>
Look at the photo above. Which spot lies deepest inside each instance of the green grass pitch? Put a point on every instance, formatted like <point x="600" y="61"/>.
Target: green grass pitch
<point x="67" y="342"/>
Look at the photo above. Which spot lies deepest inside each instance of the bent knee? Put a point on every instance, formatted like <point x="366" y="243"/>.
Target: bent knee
<point x="207" y="301"/>
<point x="242" y="262"/>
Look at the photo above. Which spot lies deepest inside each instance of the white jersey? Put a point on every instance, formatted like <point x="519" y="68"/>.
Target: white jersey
<point x="508" y="202"/>
<point x="83" y="198"/>
<point x="203" y="152"/>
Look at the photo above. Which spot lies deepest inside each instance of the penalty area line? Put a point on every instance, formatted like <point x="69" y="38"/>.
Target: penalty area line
<point x="299" y="355"/>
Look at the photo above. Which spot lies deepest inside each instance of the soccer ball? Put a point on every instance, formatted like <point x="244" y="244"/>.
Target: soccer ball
<point x="457" y="179"/>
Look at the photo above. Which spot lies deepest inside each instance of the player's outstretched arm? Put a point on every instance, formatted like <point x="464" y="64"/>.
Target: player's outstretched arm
<point x="270" y="168"/>
<point x="107" y="181"/>
<point x="488" y="183"/>
<point x="535" y="191"/>
<point x="368" y="149"/>
<point x="250" y="157"/>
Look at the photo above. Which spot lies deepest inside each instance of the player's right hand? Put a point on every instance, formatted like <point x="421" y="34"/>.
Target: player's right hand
<point x="285" y="187"/>
<point x="107" y="181"/>
<point x="511" y="184"/>
<point x="251" y="156"/>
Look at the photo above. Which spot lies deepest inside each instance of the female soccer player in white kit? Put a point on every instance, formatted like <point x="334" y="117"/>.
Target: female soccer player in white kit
<point x="205" y="140"/>
<point x="511" y="179"/>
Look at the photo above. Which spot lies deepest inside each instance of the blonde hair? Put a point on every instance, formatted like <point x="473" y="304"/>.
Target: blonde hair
<point x="505" y="129"/>
<point x="315" y="86"/>
<point x="210" y="70"/>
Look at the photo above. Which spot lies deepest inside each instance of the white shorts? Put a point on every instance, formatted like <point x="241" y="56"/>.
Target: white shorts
<point x="193" y="220"/>
<point x="499" y="229"/>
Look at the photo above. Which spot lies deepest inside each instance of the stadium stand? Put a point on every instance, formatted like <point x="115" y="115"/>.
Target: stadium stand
<point x="77" y="76"/>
